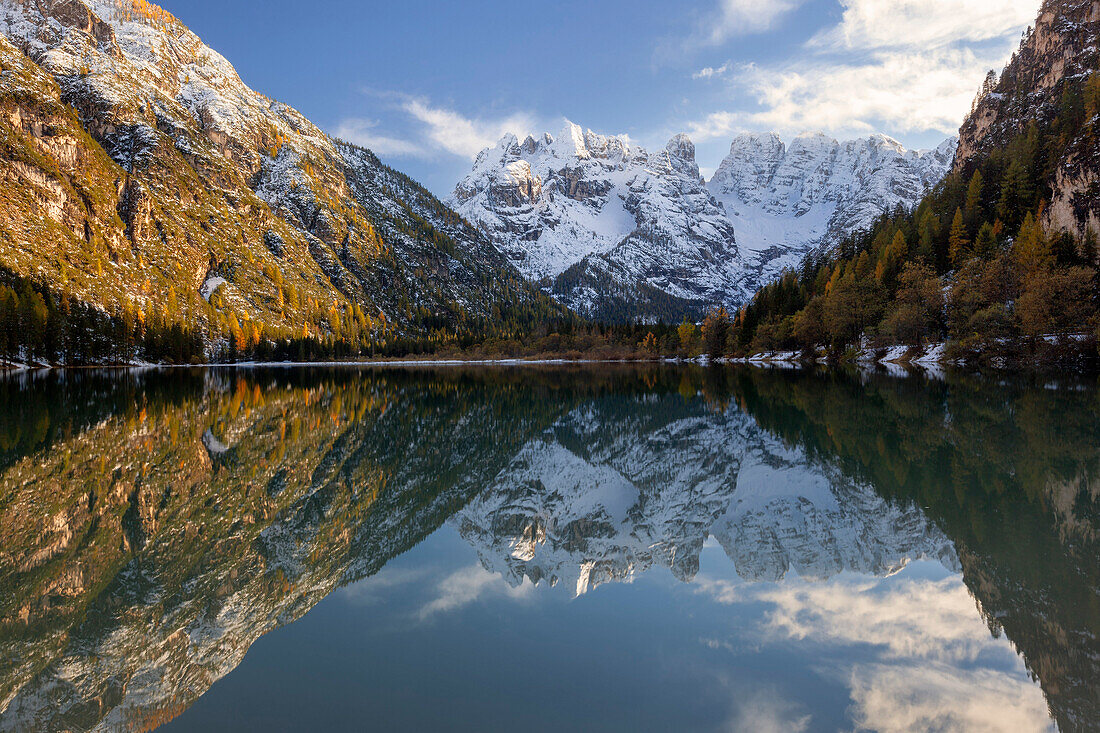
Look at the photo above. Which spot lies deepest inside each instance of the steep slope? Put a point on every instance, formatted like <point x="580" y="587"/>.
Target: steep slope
<point x="1022" y="510"/>
<point x="1046" y="83"/>
<point x="999" y="259"/>
<point x="614" y="230"/>
<point x="154" y="525"/>
<point x="139" y="168"/>
<point x="786" y="200"/>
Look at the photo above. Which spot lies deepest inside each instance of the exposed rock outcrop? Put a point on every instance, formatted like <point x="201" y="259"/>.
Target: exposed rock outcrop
<point x="1044" y="79"/>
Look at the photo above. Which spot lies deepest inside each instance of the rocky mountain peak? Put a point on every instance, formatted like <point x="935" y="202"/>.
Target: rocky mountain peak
<point x="786" y="200"/>
<point x="681" y="153"/>
<point x="615" y="211"/>
<point x="580" y="506"/>
<point x="598" y="220"/>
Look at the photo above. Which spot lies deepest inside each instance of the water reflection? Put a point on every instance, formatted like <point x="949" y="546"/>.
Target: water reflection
<point x="918" y="539"/>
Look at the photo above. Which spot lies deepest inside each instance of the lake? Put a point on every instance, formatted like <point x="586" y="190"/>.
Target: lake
<point x="611" y="548"/>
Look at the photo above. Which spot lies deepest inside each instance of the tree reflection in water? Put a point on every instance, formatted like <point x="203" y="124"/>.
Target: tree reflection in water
<point x="154" y="525"/>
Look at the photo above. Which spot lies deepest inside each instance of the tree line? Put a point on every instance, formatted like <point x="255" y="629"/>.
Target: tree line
<point x="40" y="324"/>
<point x="971" y="264"/>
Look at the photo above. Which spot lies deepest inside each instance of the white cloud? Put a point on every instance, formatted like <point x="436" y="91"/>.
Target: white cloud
<point x="766" y="711"/>
<point x="899" y="66"/>
<point x="378" y="588"/>
<point x="363" y="132"/>
<point x="927" y="660"/>
<point x="934" y="697"/>
<point x="869" y="24"/>
<point x="897" y="91"/>
<point x="743" y="17"/>
<point x="710" y="72"/>
<point x="431" y="130"/>
<point x="906" y="619"/>
<point x="467" y="585"/>
<point x="459" y="135"/>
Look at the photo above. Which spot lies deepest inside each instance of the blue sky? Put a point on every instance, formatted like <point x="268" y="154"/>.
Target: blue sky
<point x="427" y="84"/>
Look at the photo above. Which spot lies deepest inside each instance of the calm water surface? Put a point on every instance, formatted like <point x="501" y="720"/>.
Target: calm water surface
<point x="612" y="549"/>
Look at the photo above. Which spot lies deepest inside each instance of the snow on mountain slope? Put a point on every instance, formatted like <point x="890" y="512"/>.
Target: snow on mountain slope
<point x="615" y="231"/>
<point x="607" y="493"/>
<point x="612" y="227"/>
<point x="153" y="168"/>
<point x="786" y="200"/>
<point x="133" y="619"/>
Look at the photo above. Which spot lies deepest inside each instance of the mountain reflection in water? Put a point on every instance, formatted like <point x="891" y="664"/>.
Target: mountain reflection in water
<point x="154" y="525"/>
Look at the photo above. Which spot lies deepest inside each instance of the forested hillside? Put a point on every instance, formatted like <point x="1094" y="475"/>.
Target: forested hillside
<point x="982" y="260"/>
<point x="146" y="188"/>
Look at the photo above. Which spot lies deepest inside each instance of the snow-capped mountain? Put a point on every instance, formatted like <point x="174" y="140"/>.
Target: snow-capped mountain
<point x="613" y="228"/>
<point x="785" y="200"/>
<point x="586" y="503"/>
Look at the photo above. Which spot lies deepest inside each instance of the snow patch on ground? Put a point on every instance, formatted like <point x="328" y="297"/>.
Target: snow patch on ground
<point x="211" y="286"/>
<point x="215" y="446"/>
<point x="895" y="355"/>
<point x="934" y="355"/>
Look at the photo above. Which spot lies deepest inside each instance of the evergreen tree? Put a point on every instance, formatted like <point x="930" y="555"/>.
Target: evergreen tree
<point x="32" y="321"/>
<point x="1089" y="248"/>
<point x="9" y="322"/>
<point x="1031" y="250"/>
<point x="716" y="329"/>
<point x="1017" y="193"/>
<point x="957" y="243"/>
<point x="973" y="207"/>
<point x="926" y="248"/>
<point x="985" y="246"/>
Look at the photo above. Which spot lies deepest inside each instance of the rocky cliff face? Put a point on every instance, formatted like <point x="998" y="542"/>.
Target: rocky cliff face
<point x="785" y="200"/>
<point x="610" y="227"/>
<point x="138" y="166"/>
<point x="1043" y="82"/>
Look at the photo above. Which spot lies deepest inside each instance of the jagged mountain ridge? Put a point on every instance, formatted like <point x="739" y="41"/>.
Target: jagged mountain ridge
<point x="1054" y="61"/>
<point x="786" y="200"/>
<point x="183" y="535"/>
<point x="614" y="230"/>
<point x="606" y="224"/>
<point x="191" y="512"/>
<point x="138" y="166"/>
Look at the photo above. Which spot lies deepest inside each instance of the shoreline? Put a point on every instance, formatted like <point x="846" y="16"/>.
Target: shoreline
<point x="930" y="359"/>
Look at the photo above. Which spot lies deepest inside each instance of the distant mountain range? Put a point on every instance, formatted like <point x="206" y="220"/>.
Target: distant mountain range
<point x="786" y="200"/>
<point x="141" y="171"/>
<point x="611" y="492"/>
<point x="235" y="503"/>
<point x="615" y="232"/>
